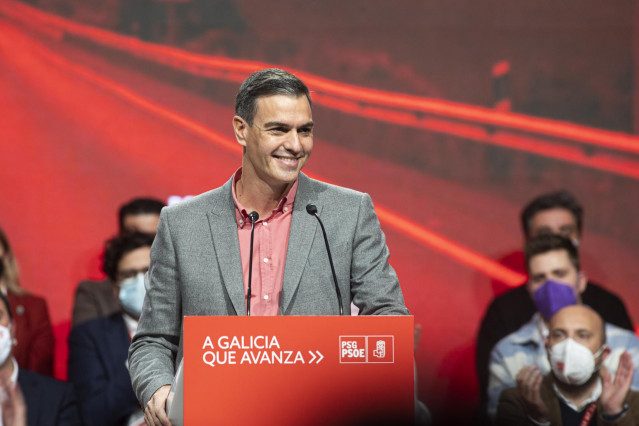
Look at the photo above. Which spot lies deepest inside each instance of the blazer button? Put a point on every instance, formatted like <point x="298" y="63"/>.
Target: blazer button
<point x="19" y="309"/>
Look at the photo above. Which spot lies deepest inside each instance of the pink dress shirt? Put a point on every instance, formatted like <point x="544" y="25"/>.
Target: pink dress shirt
<point x="270" y="244"/>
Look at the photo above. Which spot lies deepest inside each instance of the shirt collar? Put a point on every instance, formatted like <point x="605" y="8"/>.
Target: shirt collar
<point x="531" y="332"/>
<point x="592" y="398"/>
<point x="131" y="324"/>
<point x="241" y="215"/>
<point x="14" y="375"/>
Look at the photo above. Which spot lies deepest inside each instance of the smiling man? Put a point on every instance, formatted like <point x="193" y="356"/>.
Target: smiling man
<point x="200" y="257"/>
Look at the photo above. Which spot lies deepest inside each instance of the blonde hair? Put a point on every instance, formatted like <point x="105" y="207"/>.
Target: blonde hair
<point x="11" y="274"/>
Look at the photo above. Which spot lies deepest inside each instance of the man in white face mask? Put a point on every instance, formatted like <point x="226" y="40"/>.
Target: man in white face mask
<point x="98" y="348"/>
<point x="580" y="390"/>
<point x="556" y="281"/>
<point x="26" y="395"/>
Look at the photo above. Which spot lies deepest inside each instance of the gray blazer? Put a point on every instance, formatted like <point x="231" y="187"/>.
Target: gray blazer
<point x="196" y="269"/>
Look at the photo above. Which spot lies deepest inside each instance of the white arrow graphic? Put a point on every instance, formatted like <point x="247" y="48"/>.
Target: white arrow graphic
<point x="317" y="357"/>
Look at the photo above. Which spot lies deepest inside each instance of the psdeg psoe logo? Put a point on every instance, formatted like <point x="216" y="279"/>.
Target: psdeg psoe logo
<point x="366" y="349"/>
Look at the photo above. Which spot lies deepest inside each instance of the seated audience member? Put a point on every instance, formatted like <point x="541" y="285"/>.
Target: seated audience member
<point x="579" y="390"/>
<point x="98" y="349"/>
<point x="554" y="213"/>
<point x="94" y="299"/>
<point x="41" y="399"/>
<point x="32" y="327"/>
<point x="555" y="282"/>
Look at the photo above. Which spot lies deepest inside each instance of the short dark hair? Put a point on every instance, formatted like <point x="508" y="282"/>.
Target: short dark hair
<point x="549" y="242"/>
<point x="120" y="245"/>
<point x="267" y="82"/>
<point x="5" y="299"/>
<point x="553" y="200"/>
<point x="139" y="206"/>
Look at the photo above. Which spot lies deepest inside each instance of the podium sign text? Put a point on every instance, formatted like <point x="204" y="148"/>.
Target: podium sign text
<point x="290" y="370"/>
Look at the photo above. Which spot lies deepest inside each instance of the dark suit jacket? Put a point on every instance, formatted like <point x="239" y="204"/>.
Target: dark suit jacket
<point x="33" y="332"/>
<point x="511" y="310"/>
<point x="49" y="401"/>
<point x="97" y="355"/>
<point x="93" y="299"/>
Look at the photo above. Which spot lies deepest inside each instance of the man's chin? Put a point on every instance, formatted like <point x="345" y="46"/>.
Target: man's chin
<point x="573" y="387"/>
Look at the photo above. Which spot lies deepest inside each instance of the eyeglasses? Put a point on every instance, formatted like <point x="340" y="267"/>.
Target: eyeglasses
<point x="131" y="273"/>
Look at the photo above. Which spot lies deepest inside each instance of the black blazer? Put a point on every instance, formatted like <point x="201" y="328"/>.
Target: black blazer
<point x="98" y="351"/>
<point x="49" y="401"/>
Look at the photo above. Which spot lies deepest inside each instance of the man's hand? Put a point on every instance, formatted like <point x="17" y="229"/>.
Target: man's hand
<point x="155" y="411"/>
<point x="529" y="386"/>
<point x="14" y="409"/>
<point x="613" y="393"/>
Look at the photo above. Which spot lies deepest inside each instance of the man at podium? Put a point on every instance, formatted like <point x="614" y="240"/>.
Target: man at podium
<point x="201" y="262"/>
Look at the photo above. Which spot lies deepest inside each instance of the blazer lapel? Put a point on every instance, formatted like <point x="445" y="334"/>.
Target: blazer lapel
<point x="116" y="341"/>
<point x="33" y="396"/>
<point x="227" y="246"/>
<point x="303" y="229"/>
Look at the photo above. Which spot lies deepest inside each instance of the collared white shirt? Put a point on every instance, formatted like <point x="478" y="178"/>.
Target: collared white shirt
<point x="131" y="324"/>
<point x="137" y="417"/>
<point x="596" y="393"/>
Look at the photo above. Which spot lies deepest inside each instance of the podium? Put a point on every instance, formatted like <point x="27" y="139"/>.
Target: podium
<point x="292" y="370"/>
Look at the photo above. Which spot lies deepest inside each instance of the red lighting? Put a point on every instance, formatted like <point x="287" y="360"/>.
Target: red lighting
<point x="236" y="70"/>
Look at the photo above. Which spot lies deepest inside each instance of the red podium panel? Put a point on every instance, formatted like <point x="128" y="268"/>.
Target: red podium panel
<point x="308" y="370"/>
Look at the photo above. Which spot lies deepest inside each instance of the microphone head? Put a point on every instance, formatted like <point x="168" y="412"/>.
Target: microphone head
<point x="311" y="209"/>
<point x="253" y="216"/>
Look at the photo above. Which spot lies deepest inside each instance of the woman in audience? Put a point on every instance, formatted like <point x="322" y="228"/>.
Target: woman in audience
<point x="32" y="327"/>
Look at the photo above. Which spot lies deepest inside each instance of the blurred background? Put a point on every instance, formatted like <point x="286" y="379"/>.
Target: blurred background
<point x="451" y="114"/>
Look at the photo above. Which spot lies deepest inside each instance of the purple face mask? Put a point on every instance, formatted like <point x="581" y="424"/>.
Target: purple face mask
<point x="552" y="296"/>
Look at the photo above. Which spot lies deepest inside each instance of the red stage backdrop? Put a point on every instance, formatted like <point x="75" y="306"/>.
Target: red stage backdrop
<point x="450" y="114"/>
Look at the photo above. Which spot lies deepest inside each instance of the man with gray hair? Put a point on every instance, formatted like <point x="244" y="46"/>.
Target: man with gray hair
<point x="200" y="257"/>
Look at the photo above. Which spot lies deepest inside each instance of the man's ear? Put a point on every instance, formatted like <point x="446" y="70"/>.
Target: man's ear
<point x="582" y="282"/>
<point x="240" y="128"/>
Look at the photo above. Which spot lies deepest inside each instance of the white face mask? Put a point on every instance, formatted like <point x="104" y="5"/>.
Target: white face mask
<point x="132" y="294"/>
<point x="572" y="362"/>
<point x="6" y="342"/>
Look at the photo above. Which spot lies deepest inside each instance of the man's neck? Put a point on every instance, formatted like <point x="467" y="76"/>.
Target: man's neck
<point x="578" y="394"/>
<point x="255" y="194"/>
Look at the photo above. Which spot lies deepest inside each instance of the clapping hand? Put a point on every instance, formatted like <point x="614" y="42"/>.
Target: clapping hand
<point x="613" y="393"/>
<point x="529" y="386"/>
<point x="14" y="409"/>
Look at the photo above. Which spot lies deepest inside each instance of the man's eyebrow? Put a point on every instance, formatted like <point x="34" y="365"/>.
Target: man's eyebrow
<point x="287" y="126"/>
<point x="275" y="124"/>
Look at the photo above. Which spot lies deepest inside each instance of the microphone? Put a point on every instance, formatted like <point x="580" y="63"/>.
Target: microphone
<point x="312" y="210"/>
<point x="253" y="216"/>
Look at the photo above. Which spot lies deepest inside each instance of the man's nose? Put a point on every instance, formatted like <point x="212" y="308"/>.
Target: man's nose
<point x="293" y="142"/>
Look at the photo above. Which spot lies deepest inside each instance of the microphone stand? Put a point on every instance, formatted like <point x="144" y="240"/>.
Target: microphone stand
<point x="312" y="210"/>
<point x="253" y="216"/>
